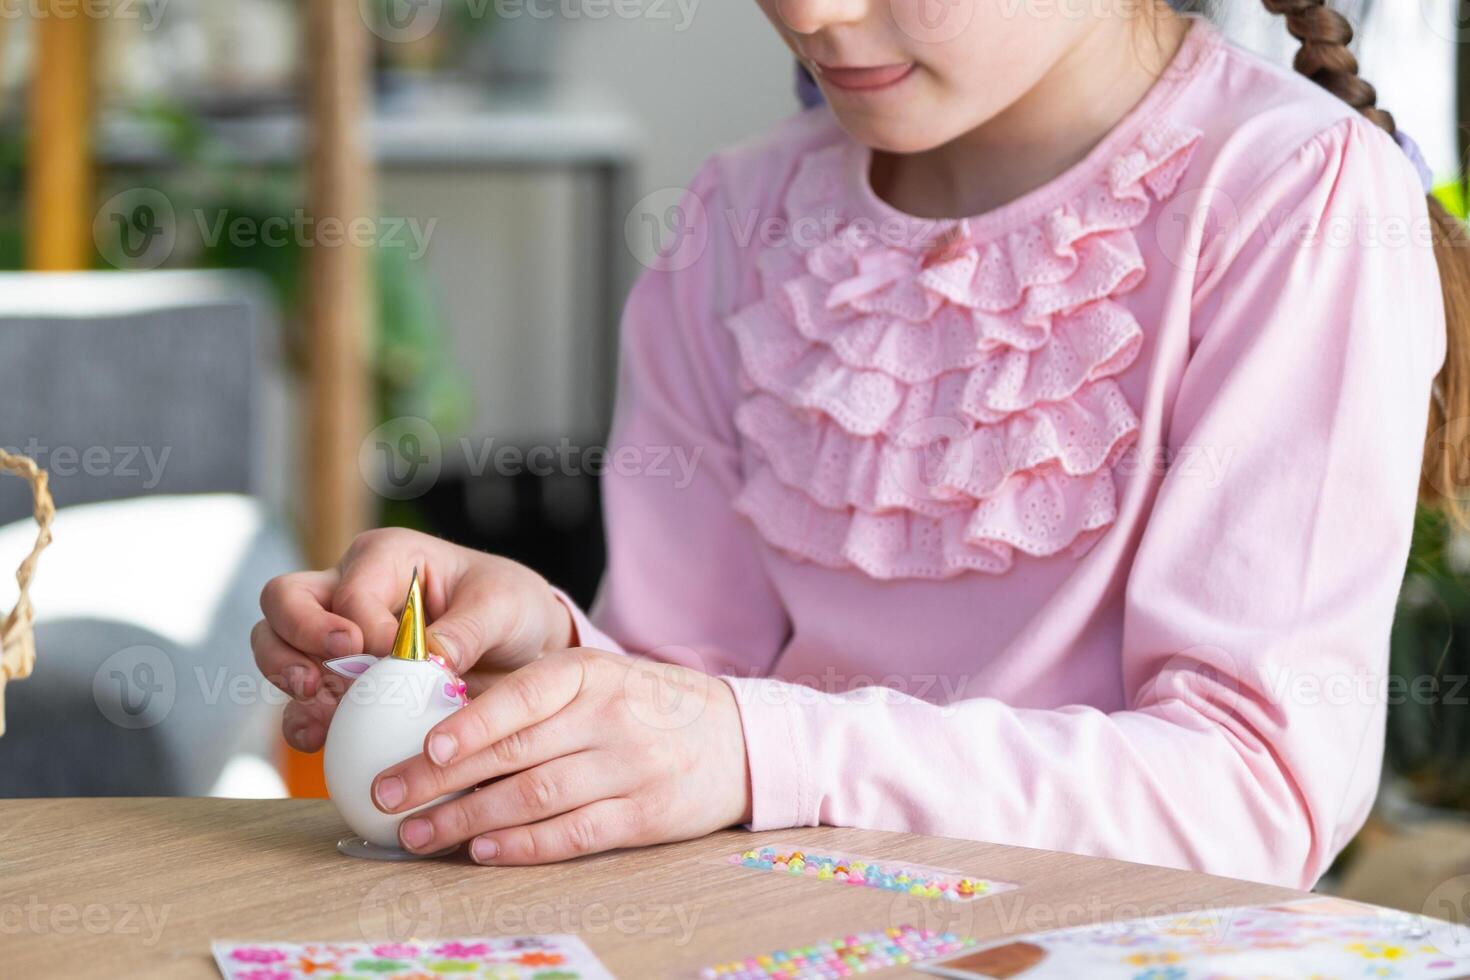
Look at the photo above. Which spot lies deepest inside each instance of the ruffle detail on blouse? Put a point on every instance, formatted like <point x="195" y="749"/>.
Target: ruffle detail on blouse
<point x="922" y="402"/>
<point x="898" y="545"/>
<point x="957" y="465"/>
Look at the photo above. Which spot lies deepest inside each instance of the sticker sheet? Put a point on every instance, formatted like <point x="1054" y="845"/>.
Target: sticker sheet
<point x="843" y="868"/>
<point x="494" y="958"/>
<point x="1311" y="938"/>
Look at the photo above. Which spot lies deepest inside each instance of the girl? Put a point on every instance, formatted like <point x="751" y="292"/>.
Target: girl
<point x="1076" y="523"/>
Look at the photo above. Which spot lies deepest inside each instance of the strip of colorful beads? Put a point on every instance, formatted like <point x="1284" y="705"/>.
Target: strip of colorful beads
<point x="854" y="870"/>
<point x="861" y="953"/>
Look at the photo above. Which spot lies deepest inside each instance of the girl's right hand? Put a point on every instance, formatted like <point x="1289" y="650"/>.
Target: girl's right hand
<point x="488" y="616"/>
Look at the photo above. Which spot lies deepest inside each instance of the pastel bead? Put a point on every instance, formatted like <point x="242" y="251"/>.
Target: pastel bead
<point x="890" y="877"/>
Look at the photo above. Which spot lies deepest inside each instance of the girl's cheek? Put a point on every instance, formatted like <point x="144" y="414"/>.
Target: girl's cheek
<point x="942" y="22"/>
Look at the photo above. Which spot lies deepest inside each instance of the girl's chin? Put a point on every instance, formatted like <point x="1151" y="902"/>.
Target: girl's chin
<point x="913" y="125"/>
<point x="892" y="135"/>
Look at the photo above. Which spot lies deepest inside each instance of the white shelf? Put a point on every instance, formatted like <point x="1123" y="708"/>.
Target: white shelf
<point x="432" y="128"/>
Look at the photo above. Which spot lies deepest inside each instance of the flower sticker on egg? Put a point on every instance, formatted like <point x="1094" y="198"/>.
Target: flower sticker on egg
<point x="455" y="690"/>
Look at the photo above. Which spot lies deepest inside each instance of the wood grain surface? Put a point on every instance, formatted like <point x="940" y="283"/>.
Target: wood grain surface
<point x="140" y="887"/>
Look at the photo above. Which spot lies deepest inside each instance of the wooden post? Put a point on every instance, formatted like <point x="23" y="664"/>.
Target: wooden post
<point x="59" y="205"/>
<point x="339" y="307"/>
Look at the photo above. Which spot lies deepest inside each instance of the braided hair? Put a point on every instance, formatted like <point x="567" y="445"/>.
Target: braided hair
<point x="1325" y="57"/>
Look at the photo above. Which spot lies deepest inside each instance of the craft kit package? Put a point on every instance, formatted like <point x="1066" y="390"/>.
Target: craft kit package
<point x="1310" y="938"/>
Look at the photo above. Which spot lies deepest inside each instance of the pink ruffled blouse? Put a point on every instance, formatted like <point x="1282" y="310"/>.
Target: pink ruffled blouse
<point x="1076" y="525"/>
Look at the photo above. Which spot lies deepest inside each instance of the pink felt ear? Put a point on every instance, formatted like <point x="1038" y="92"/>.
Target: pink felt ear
<point x="351" y="666"/>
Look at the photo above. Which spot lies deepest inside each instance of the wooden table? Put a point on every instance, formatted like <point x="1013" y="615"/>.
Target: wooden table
<point x="139" y="887"/>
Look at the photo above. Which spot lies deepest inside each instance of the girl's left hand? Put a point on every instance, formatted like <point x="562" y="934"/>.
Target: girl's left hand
<point x="588" y="751"/>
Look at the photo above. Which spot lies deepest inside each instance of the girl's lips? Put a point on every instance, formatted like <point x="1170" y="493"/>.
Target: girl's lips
<point x="866" y="79"/>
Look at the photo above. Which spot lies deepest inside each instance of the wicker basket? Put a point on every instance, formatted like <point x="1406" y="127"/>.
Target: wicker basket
<point x="17" y="643"/>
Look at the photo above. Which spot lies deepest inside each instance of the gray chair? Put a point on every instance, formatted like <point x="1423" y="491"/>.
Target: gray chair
<point x="148" y="398"/>
<point x="125" y="384"/>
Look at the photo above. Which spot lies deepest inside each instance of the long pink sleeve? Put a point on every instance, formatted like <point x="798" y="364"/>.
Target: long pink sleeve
<point x="1257" y="611"/>
<point x="684" y="583"/>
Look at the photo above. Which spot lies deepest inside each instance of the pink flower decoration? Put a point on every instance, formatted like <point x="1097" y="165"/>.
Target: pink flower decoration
<point x="396" y="951"/>
<point x="462" y="951"/>
<point x="257" y="954"/>
<point x="264" y="973"/>
<point x="454" y="689"/>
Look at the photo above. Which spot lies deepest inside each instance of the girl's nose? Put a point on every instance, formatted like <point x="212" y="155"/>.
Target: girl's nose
<point x="810" y="16"/>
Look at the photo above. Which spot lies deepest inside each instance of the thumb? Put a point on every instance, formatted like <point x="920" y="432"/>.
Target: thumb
<point x="493" y="625"/>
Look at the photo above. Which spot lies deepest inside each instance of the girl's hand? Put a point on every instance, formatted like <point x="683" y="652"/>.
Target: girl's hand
<point x="488" y="616"/>
<point x="584" y="752"/>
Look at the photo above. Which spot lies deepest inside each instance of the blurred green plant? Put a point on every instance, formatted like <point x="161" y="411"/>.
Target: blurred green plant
<point x="456" y="17"/>
<point x="412" y="367"/>
<point x="413" y="370"/>
<point x="12" y="196"/>
<point x="461" y="25"/>
<point x="1429" y="710"/>
<point x="1428" y="718"/>
<point x="1452" y="196"/>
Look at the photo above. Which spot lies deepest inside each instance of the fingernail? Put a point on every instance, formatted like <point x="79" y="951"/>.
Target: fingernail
<point x="339" y="644"/>
<point x="296" y="735"/>
<point x="442" y="748"/>
<point x="484" y="849"/>
<point x="296" y="676"/>
<point x="416" y="833"/>
<point x="293" y="734"/>
<point x="444" y="648"/>
<point x="390" y="793"/>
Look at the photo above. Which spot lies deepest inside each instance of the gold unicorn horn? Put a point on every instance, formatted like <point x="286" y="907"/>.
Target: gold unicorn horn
<point x="410" y="644"/>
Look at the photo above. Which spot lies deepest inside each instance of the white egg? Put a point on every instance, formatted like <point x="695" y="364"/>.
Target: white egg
<point x="382" y="720"/>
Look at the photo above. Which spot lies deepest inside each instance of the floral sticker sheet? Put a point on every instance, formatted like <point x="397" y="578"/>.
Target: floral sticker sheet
<point x="495" y="958"/>
<point x="1311" y="938"/>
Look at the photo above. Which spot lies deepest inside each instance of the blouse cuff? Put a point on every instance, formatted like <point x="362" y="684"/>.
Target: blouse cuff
<point x="776" y="752"/>
<point x="584" y="634"/>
